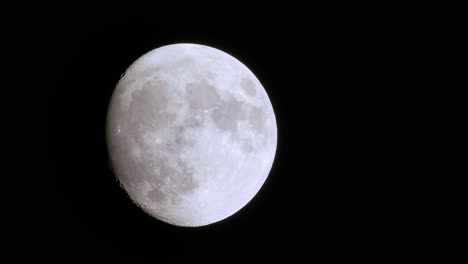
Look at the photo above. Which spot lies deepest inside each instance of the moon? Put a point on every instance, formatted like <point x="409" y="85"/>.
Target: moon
<point x="191" y="134"/>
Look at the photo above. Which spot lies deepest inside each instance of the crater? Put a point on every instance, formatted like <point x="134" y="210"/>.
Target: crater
<point x="171" y="184"/>
<point x="149" y="104"/>
<point x="178" y="142"/>
<point x="148" y="71"/>
<point x="228" y="114"/>
<point x="124" y="83"/>
<point x="185" y="181"/>
<point x="249" y="87"/>
<point x="257" y="118"/>
<point x="247" y="146"/>
<point x="181" y="64"/>
<point x="156" y="195"/>
<point x="201" y="95"/>
<point x="174" y="177"/>
<point x="125" y="161"/>
<point x="155" y="90"/>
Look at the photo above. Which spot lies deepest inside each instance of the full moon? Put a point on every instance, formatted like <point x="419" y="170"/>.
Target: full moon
<point x="191" y="134"/>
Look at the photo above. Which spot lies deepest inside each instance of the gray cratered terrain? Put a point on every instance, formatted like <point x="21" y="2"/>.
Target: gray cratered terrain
<point x="191" y="134"/>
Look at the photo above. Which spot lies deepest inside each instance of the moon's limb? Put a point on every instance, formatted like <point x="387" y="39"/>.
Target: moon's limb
<point x="191" y="134"/>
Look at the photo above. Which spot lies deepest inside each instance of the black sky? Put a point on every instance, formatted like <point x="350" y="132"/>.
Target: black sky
<point x="321" y="78"/>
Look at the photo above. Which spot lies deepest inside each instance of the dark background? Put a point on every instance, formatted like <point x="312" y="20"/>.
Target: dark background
<point x="322" y="197"/>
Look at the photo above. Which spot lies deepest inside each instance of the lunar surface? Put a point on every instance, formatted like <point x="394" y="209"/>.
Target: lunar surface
<point x="191" y="134"/>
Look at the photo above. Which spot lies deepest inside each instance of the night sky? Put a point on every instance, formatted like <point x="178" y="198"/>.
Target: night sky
<point x="319" y="199"/>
